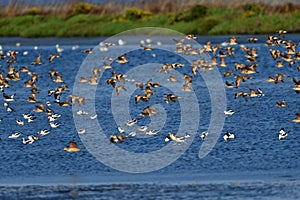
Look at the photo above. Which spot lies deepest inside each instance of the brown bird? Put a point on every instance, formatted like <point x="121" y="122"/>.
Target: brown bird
<point x="83" y="79"/>
<point x="223" y="64"/>
<point x="252" y="40"/>
<point x="243" y="94"/>
<point x="171" y="97"/>
<point x="118" y="77"/>
<point x="232" y="40"/>
<point x="229" y="85"/>
<point x="122" y="59"/>
<point x="112" y="82"/>
<point x="279" y="64"/>
<point x="37" y="60"/>
<point x="32" y="98"/>
<point x="58" y="78"/>
<point x="297" y="119"/>
<point x="116" y="138"/>
<point x="39" y="108"/>
<point x="119" y="88"/>
<point x="93" y="80"/>
<point x="173" y="78"/>
<point x="140" y="97"/>
<point x="106" y="66"/>
<point x="72" y="147"/>
<point x="88" y="51"/>
<point x="296" y="85"/>
<point x="139" y="85"/>
<point x="281" y="32"/>
<point x="64" y="103"/>
<point x="52" y="56"/>
<point x="281" y="103"/>
<point x="228" y="73"/>
<point x="148" y="111"/>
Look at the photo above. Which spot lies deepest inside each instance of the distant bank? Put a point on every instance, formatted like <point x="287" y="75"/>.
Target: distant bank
<point x="86" y="19"/>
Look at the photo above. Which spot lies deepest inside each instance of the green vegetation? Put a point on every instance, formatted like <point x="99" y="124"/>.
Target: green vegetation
<point x="85" y="19"/>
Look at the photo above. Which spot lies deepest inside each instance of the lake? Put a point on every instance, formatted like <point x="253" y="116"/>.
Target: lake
<point x="253" y="165"/>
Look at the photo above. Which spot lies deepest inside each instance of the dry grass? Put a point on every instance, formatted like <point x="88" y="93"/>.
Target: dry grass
<point x="17" y="8"/>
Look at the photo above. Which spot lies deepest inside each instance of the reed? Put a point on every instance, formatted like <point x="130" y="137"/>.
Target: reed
<point x="74" y="18"/>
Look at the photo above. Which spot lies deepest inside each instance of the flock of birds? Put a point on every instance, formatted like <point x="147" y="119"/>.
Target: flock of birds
<point x="117" y="81"/>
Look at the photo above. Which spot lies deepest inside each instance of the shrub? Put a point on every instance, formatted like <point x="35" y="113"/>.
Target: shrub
<point x="192" y="14"/>
<point x="136" y="14"/>
<point x="252" y="9"/>
<point x="82" y="8"/>
<point x="34" y="11"/>
<point x="206" y="25"/>
<point x="197" y="11"/>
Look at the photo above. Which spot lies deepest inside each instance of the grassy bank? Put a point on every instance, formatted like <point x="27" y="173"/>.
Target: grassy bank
<point x="197" y="19"/>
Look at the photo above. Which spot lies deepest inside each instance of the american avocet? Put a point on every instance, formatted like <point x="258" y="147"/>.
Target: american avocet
<point x="54" y="125"/>
<point x="143" y="128"/>
<point x="203" y="135"/>
<point x="20" y="122"/>
<point x="121" y="129"/>
<point x="8" y="98"/>
<point x="173" y="137"/>
<point x="94" y="116"/>
<point x="152" y="132"/>
<point x="81" y="131"/>
<point x="227" y="136"/>
<point x="131" y="122"/>
<point x="229" y="112"/>
<point x="282" y="134"/>
<point x="43" y="132"/>
<point x="14" y="135"/>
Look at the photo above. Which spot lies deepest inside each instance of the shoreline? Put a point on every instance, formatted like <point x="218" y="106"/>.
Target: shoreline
<point x="52" y="41"/>
<point x="107" y="178"/>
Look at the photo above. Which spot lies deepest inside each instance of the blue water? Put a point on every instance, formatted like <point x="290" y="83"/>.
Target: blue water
<point x="253" y="165"/>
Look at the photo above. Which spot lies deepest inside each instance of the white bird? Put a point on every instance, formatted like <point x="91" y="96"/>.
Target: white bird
<point x="81" y="112"/>
<point x="94" y="116"/>
<point x="27" y="115"/>
<point x="120" y="129"/>
<point x="173" y="137"/>
<point x="132" y="134"/>
<point x="131" y="122"/>
<point x="203" y="135"/>
<point x="9" y="109"/>
<point x="59" y="49"/>
<point x="152" y="132"/>
<point x="31" y="119"/>
<point x="8" y="98"/>
<point x="143" y="128"/>
<point x="186" y="136"/>
<point x="228" y="112"/>
<point x="227" y="136"/>
<point x="53" y="117"/>
<point x="20" y="122"/>
<point x="44" y="132"/>
<point x="54" y="125"/>
<point x="81" y="131"/>
<point x="282" y="134"/>
<point x="260" y="92"/>
<point x="14" y="135"/>
<point x="31" y="139"/>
